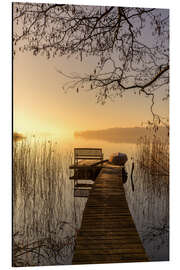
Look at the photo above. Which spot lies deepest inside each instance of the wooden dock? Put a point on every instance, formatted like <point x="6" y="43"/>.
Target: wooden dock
<point x="108" y="233"/>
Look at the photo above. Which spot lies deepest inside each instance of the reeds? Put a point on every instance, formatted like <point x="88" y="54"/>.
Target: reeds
<point x="43" y="211"/>
<point x="44" y="251"/>
<point x="153" y="154"/>
<point x="149" y="201"/>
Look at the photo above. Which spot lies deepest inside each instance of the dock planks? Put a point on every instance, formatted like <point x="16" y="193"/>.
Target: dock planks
<point x="108" y="233"/>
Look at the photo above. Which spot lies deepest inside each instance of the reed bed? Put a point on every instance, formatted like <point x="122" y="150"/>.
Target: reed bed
<point x="43" y="214"/>
<point x="149" y="200"/>
<point x="153" y="155"/>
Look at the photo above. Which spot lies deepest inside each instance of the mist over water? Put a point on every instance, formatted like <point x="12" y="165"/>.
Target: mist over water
<point x="117" y="135"/>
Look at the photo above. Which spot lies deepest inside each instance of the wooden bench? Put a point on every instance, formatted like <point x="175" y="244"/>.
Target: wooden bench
<point x="87" y="154"/>
<point x="84" y="159"/>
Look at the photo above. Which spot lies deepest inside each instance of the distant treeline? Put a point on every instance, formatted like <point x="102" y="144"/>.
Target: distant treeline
<point x="17" y="136"/>
<point x="117" y="135"/>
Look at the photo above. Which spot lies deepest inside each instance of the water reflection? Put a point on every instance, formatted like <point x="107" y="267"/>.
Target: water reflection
<point x="148" y="202"/>
<point x="149" y="206"/>
<point x="44" y="205"/>
<point x="107" y="147"/>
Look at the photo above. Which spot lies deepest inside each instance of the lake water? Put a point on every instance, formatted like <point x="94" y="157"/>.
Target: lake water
<point x="148" y="203"/>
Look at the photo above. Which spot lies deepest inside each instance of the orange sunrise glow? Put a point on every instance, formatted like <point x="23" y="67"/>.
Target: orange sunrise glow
<point x="41" y="105"/>
<point x="90" y="143"/>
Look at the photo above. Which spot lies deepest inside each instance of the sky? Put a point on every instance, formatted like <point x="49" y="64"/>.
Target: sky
<point x="42" y="106"/>
<point x="6" y="149"/>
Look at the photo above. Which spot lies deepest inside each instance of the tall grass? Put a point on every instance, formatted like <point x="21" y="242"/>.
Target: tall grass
<point x="153" y="154"/>
<point x="149" y="202"/>
<point x="43" y="214"/>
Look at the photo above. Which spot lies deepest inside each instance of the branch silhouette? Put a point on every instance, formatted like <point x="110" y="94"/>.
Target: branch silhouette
<point x="131" y="45"/>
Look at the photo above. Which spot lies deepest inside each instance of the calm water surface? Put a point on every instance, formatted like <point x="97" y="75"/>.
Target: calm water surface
<point x="148" y="203"/>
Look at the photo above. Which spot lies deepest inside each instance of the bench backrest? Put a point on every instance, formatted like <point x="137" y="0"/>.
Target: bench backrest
<point x="87" y="153"/>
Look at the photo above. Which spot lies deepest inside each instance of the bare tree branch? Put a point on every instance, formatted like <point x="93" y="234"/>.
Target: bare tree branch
<point x="131" y="44"/>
